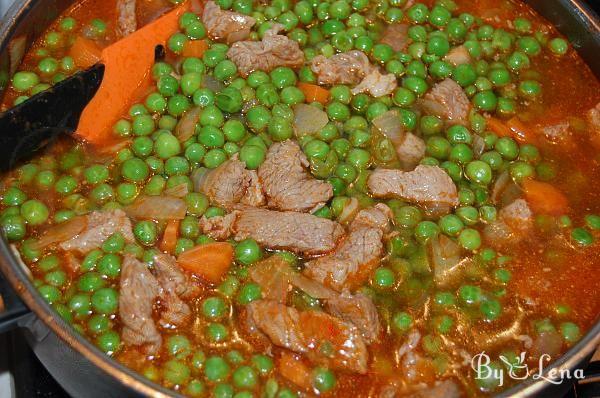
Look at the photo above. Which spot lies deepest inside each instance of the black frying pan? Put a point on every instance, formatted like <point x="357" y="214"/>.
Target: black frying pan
<point x="82" y="369"/>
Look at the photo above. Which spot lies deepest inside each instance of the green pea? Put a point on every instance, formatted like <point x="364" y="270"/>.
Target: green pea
<point x="464" y="74"/>
<point x="24" y="81"/>
<point x="570" y="332"/>
<point x="135" y="170"/>
<point x="491" y="309"/>
<point x="262" y="363"/>
<point x="34" y="212"/>
<point x="558" y="46"/>
<point x="229" y="100"/>
<point x="176" y="372"/>
<point x="479" y="172"/>
<point x="383" y="278"/>
<point x="216" y="369"/>
<point x="451" y="225"/>
<point x="469" y="239"/>
<point x="582" y="237"/>
<point x="146" y="232"/>
<point x="470" y="294"/>
<point x="248" y="293"/>
<point x="105" y="300"/>
<point x="248" y="252"/>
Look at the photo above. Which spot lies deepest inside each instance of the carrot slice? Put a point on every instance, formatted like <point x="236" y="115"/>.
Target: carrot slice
<point x="194" y="48"/>
<point x="127" y="74"/>
<point x="513" y="128"/>
<point x="545" y="198"/>
<point x="169" y="240"/>
<point x="314" y="93"/>
<point x="293" y="369"/>
<point x="210" y="261"/>
<point x="85" y="52"/>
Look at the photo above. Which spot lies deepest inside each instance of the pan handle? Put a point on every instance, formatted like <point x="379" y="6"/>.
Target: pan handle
<point x="12" y="309"/>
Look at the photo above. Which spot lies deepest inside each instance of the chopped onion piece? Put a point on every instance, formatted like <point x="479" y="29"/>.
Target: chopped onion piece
<point x="308" y="119"/>
<point x="186" y="127"/>
<point x="61" y="232"/>
<point x="390" y="125"/>
<point x="349" y="211"/>
<point x="199" y="177"/>
<point x="157" y="208"/>
<point x="178" y="191"/>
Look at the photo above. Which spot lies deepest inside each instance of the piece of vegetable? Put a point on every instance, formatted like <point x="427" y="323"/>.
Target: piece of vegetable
<point x="308" y="119"/>
<point x="292" y="368"/>
<point x="545" y="198"/>
<point x="314" y="93"/>
<point x="178" y="191"/>
<point x="194" y="48"/>
<point x="390" y="125"/>
<point x="186" y="127"/>
<point x="513" y="128"/>
<point x="169" y="239"/>
<point x="61" y="232"/>
<point x="162" y="207"/>
<point x="85" y="52"/>
<point x="127" y="75"/>
<point x="210" y="261"/>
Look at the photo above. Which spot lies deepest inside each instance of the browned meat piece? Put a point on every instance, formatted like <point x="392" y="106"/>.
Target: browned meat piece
<point x="100" y="225"/>
<point x="359" y="310"/>
<point x="359" y="253"/>
<point x="593" y="121"/>
<point x="175" y="286"/>
<point x="230" y="184"/>
<point x="287" y="183"/>
<point x="298" y="232"/>
<point x="226" y="25"/>
<point x="458" y="56"/>
<point x="514" y="222"/>
<point x="272" y="51"/>
<point x="447" y="100"/>
<point x="309" y="332"/>
<point x="557" y="132"/>
<point x="410" y="151"/>
<point x="429" y="186"/>
<point x="219" y="227"/>
<point x="138" y="291"/>
<point x="126" y="18"/>
<point x="343" y="68"/>
<point x="396" y="36"/>
<point x="376" y="84"/>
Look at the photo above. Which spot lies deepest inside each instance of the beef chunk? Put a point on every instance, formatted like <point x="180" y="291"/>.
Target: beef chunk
<point x="230" y="184"/>
<point x="126" y="18"/>
<point x="350" y="265"/>
<point x="358" y="310"/>
<point x="429" y="186"/>
<point x="287" y="183"/>
<point x="219" y="227"/>
<point x="138" y="291"/>
<point x="376" y="84"/>
<point x="343" y="68"/>
<point x="310" y="333"/>
<point x="272" y="51"/>
<point x="514" y="222"/>
<point x="396" y="36"/>
<point x="226" y="25"/>
<point x="175" y="286"/>
<point x="447" y="100"/>
<point x="297" y="232"/>
<point x="100" y="225"/>
<point x="410" y="151"/>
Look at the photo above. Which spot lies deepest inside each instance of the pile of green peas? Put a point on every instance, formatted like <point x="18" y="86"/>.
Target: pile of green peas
<point x="243" y="117"/>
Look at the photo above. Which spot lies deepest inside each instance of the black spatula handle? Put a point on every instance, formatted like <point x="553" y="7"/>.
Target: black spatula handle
<point x="32" y="124"/>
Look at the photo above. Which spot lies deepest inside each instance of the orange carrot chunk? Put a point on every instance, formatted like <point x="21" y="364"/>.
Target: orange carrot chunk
<point x="127" y="74"/>
<point x="545" y="198"/>
<point x="85" y="53"/>
<point x="513" y="128"/>
<point x="314" y="93"/>
<point x="169" y="240"/>
<point x="210" y="261"/>
<point x="293" y="369"/>
<point x="194" y="48"/>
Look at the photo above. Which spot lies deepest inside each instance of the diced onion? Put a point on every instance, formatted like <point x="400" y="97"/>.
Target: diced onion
<point x="186" y="127"/>
<point x="157" y="208"/>
<point x="308" y="119"/>
<point x="61" y="232"/>
<point x="390" y="125"/>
